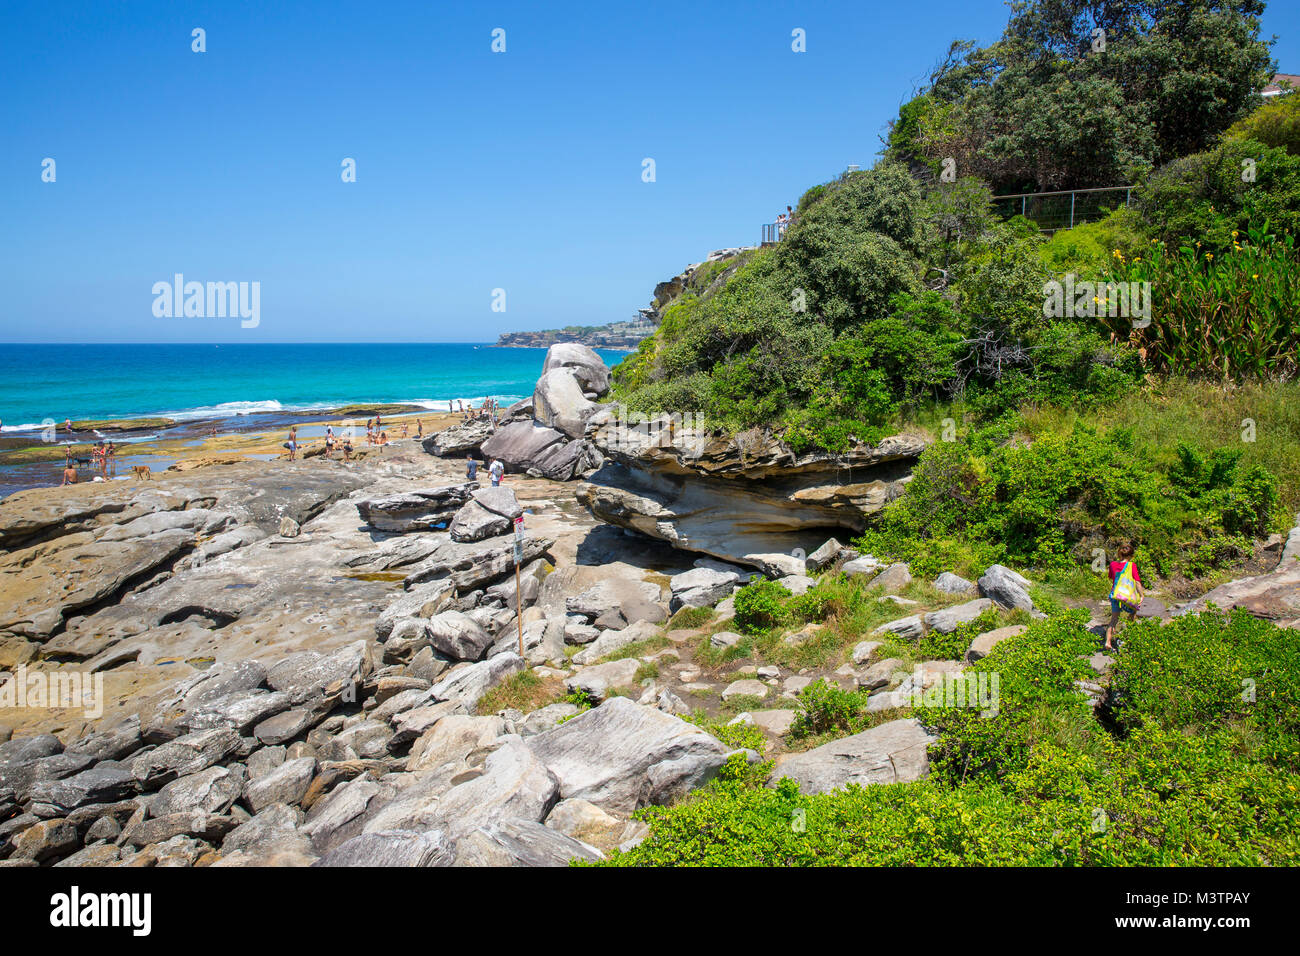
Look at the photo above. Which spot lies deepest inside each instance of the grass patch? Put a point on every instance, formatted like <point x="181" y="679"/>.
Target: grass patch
<point x="520" y="691"/>
<point x="742" y="702"/>
<point x="647" y="671"/>
<point x="638" y="648"/>
<point x="689" y="618"/>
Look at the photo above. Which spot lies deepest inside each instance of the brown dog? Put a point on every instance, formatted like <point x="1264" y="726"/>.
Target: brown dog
<point x="141" y="473"/>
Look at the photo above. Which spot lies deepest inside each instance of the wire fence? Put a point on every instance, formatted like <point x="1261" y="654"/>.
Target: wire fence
<point x="1064" y="209"/>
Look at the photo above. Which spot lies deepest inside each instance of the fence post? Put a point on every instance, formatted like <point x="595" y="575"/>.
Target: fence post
<point x="1072" y="194"/>
<point x="1023" y="200"/>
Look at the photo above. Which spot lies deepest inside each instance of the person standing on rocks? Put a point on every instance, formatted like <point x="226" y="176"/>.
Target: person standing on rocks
<point x="471" y="467"/>
<point x="497" y="472"/>
<point x="1126" y="591"/>
<point x="292" y="443"/>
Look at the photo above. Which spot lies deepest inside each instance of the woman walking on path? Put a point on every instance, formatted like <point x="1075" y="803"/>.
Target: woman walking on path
<point x="1126" y="592"/>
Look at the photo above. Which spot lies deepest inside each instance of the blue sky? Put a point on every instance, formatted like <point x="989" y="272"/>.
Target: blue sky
<point x="475" y="171"/>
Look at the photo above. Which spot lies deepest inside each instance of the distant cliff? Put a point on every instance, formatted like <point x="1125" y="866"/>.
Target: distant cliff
<point x="699" y="278"/>
<point x="614" y="335"/>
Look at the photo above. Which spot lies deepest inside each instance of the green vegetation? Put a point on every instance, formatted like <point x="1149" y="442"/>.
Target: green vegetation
<point x="760" y="606"/>
<point x="1045" y="107"/>
<point x="1275" y="123"/>
<point x="689" y="618"/>
<point x="827" y="711"/>
<point x="1202" y="779"/>
<point x="936" y="646"/>
<point x="1048" y="503"/>
<point x="523" y="690"/>
<point x="900" y="301"/>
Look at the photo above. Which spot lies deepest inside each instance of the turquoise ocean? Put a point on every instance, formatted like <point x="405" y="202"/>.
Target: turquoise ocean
<point x="40" y="383"/>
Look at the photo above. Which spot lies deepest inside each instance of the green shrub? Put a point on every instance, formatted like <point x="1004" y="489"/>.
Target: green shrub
<point x="760" y="606"/>
<point x="1213" y="670"/>
<point x="827" y="708"/>
<point x="934" y="646"/>
<point x="1275" y="123"/>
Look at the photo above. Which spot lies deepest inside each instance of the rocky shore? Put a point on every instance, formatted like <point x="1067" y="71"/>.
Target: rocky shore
<point x="336" y="664"/>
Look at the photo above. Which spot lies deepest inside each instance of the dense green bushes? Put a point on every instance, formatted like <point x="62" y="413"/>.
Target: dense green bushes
<point x="977" y="501"/>
<point x="1275" y="123"/>
<point x="1206" y="197"/>
<point x="1199" y="779"/>
<point x="1214" y="671"/>
<point x="1045" y="108"/>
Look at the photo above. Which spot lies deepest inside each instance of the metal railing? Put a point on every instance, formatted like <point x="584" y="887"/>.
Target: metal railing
<point x="1063" y="209"/>
<point x="774" y="232"/>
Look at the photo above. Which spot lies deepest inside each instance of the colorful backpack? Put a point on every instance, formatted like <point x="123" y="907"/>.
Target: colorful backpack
<point x="1125" y="589"/>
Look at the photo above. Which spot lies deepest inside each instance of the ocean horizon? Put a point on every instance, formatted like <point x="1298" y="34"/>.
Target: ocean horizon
<point x="49" y="383"/>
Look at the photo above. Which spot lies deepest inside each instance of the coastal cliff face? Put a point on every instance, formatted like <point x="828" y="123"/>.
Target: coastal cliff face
<point x="740" y="498"/>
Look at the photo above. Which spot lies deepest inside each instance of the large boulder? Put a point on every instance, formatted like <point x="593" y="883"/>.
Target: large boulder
<point x="391" y="848"/>
<point x="587" y="367"/>
<point x="467" y="684"/>
<point x="558" y="403"/>
<point x="472" y="565"/>
<point x="741" y="498"/>
<point x="461" y="439"/>
<point x="701" y="587"/>
<point x="1273" y="596"/>
<point x="633" y="599"/>
<point x="984" y="643"/>
<point x="614" y="640"/>
<point x="490" y="512"/>
<point x="946" y="620"/>
<point x="458" y="636"/>
<point x="422" y="510"/>
<point x="520" y="445"/>
<point x="621" y="756"/>
<point x="1006" y="587"/>
<point x="950" y="583"/>
<point x="521" y="843"/>
<point x="891" y="753"/>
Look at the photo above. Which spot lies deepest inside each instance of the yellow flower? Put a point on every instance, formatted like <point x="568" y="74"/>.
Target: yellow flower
<point x="1234" y="233"/>
<point x="1209" y="255"/>
<point x="1255" y="276"/>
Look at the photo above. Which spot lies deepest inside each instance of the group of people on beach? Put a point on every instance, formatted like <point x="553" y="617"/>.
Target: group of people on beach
<point x="103" y="458"/>
<point x="376" y="434"/>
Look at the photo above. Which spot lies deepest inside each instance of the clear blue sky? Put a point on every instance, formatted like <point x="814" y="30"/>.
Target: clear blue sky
<point x="475" y="170"/>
